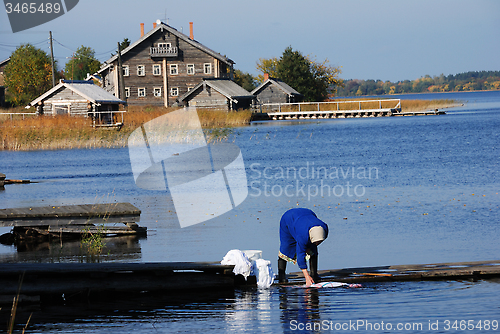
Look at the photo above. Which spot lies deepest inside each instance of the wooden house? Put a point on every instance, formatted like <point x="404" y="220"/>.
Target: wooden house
<point x="274" y="90"/>
<point x="3" y="64"/>
<point x="217" y="93"/>
<point x="163" y="65"/>
<point x="79" y="98"/>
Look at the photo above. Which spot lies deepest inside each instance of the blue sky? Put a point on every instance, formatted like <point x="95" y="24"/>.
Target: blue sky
<point x="384" y="39"/>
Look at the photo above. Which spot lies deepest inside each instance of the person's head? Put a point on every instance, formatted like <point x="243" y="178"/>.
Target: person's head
<point x="317" y="234"/>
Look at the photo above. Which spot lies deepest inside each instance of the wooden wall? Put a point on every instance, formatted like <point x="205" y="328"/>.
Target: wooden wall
<point x="187" y="54"/>
<point x="77" y="104"/>
<point x="208" y="98"/>
<point x="272" y="94"/>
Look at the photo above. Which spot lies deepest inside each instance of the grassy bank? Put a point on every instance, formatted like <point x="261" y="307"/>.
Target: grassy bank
<point x="65" y="132"/>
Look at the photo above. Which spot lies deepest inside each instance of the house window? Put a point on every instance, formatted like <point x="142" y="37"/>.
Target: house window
<point x="207" y="68"/>
<point x="127" y="91"/>
<point x="164" y="45"/>
<point x="156" y="69"/>
<point x="141" y="71"/>
<point x="60" y="109"/>
<point x="174" y="91"/>
<point x="157" y="91"/>
<point x="174" y="70"/>
<point x="126" y="70"/>
<point x="190" y="69"/>
<point x="141" y="92"/>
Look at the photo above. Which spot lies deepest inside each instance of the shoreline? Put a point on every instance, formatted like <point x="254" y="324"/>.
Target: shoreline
<point x="67" y="132"/>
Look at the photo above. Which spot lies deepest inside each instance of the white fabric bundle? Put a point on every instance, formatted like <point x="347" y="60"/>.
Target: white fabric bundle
<point x="256" y="267"/>
<point x="242" y="266"/>
<point x="264" y="273"/>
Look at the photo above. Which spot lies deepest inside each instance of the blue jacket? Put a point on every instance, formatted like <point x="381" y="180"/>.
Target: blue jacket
<point x="294" y="234"/>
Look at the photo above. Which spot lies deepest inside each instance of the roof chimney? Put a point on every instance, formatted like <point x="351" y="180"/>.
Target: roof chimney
<point x="154" y="25"/>
<point x="266" y="76"/>
<point x="191" y="35"/>
<point x="142" y="30"/>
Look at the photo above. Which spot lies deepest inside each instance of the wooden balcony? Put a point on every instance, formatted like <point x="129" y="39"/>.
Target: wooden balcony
<point x="163" y="52"/>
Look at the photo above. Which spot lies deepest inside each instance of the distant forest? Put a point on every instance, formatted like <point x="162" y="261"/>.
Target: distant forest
<point x="468" y="81"/>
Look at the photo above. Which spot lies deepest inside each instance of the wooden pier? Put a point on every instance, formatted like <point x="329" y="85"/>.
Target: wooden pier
<point x="41" y="279"/>
<point x="71" y="220"/>
<point x="418" y="272"/>
<point x="336" y="109"/>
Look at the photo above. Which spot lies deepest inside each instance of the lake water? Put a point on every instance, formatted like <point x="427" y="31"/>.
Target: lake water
<point x="392" y="190"/>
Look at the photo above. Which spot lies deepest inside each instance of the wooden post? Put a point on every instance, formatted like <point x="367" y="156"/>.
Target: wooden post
<point x="165" y="83"/>
<point x="121" y="79"/>
<point x="52" y="60"/>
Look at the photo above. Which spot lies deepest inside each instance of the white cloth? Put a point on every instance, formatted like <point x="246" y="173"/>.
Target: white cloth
<point x="264" y="273"/>
<point x="242" y="266"/>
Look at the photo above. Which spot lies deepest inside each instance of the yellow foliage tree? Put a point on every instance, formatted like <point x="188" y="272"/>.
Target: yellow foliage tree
<point x="28" y="74"/>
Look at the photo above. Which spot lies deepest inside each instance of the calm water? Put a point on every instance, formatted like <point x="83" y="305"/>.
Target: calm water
<point x="393" y="191"/>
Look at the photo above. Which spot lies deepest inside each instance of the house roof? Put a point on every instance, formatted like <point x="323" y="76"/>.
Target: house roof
<point x="278" y="83"/>
<point x="3" y="62"/>
<point x="85" y="89"/>
<point x="162" y="26"/>
<point x="226" y="87"/>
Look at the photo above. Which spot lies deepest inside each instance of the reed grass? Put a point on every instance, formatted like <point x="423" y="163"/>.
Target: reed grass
<point x="68" y="132"/>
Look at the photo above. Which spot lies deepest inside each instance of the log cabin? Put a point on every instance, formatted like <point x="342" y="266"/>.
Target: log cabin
<point x="274" y="90"/>
<point x="217" y="93"/>
<point x="163" y="65"/>
<point x="80" y="98"/>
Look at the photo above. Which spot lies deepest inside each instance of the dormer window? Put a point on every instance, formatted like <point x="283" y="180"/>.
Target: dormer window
<point x="164" y="45"/>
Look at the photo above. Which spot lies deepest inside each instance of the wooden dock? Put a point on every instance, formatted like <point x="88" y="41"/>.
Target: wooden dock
<point x="335" y="109"/>
<point x="419" y="272"/>
<point x="59" y="221"/>
<point x="39" y="279"/>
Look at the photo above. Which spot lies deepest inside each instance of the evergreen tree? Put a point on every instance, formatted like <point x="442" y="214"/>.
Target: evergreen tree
<point x="245" y="80"/>
<point x="294" y="69"/>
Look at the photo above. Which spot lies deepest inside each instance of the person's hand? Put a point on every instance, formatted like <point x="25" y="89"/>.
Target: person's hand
<point x="309" y="279"/>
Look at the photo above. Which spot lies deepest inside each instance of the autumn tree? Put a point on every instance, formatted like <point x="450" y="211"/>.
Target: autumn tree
<point x="82" y="63"/>
<point x="28" y="74"/>
<point x="315" y="80"/>
<point x="269" y="66"/>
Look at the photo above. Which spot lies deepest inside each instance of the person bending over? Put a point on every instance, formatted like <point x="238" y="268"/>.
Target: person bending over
<point x="300" y="234"/>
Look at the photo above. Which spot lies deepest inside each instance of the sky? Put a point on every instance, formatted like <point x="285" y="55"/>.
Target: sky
<point x="382" y="40"/>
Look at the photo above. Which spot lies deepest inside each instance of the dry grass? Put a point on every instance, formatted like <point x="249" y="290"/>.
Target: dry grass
<point x="66" y="132"/>
<point x="423" y="105"/>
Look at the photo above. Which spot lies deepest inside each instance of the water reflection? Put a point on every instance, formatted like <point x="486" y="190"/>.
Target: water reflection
<point x="251" y="309"/>
<point x="299" y="309"/>
<point x="116" y="249"/>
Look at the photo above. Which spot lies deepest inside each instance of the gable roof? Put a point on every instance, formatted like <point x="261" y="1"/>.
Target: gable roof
<point x="226" y="87"/>
<point x="3" y="62"/>
<point x="162" y="26"/>
<point x="278" y="83"/>
<point x="85" y="89"/>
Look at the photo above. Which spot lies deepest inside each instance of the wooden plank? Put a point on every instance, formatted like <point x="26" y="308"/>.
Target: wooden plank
<point x="457" y="270"/>
<point x="14" y="269"/>
<point x="58" y="215"/>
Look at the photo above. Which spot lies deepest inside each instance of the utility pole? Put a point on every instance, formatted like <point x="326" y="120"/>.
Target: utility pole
<point x="121" y="80"/>
<point x="52" y="60"/>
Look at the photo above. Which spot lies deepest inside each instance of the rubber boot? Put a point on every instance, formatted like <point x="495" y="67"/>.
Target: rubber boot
<point x="313" y="268"/>
<point x="282" y="271"/>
